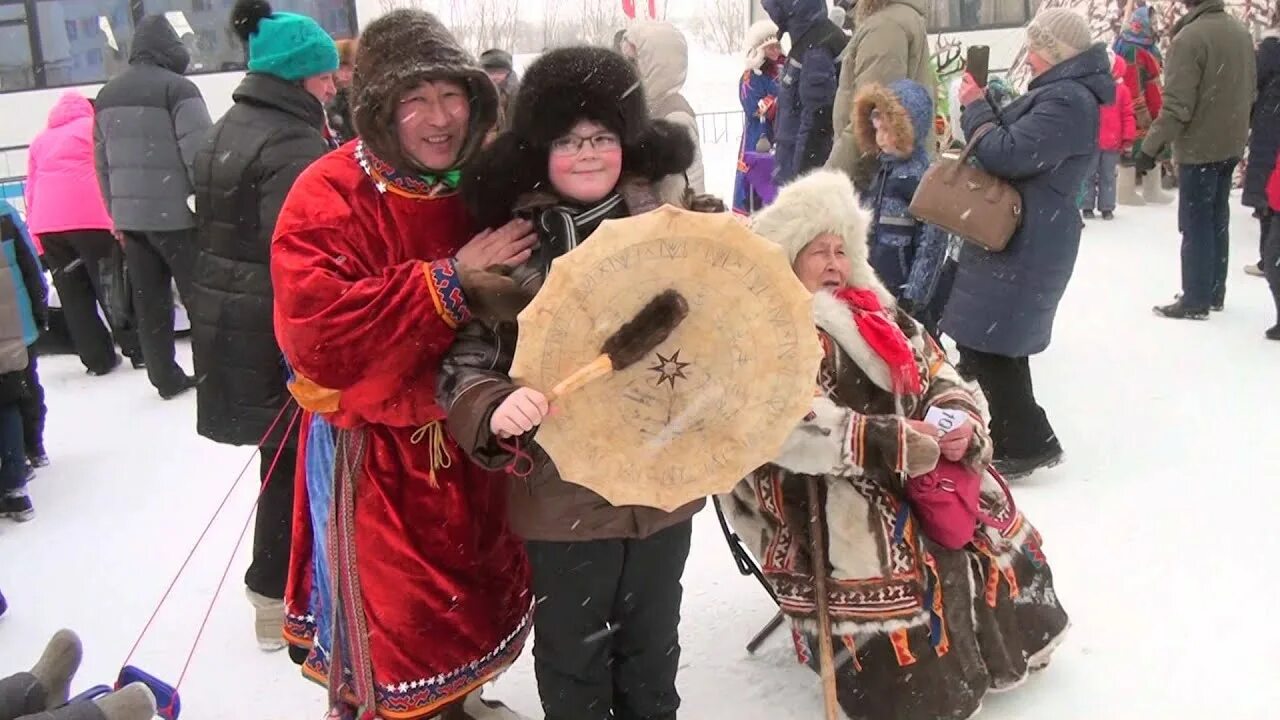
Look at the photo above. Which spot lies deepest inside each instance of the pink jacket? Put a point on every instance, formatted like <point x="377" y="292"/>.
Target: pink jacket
<point x="62" y="184"/>
<point x="1117" y="124"/>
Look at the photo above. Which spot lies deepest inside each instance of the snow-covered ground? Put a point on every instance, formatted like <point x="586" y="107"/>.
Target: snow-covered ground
<point x="1160" y="527"/>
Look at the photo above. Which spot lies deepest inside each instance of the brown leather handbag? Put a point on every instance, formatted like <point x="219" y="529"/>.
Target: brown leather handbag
<point x="966" y="200"/>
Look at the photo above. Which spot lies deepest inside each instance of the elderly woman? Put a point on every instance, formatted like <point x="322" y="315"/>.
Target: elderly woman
<point x="1003" y="304"/>
<point x="399" y="541"/>
<point x="930" y="630"/>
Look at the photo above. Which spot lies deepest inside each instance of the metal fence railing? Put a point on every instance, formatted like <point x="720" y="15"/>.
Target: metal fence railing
<point x="716" y="128"/>
<point x="13" y="175"/>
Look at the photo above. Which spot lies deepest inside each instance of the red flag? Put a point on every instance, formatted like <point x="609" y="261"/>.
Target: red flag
<point x="653" y="9"/>
<point x="629" y="8"/>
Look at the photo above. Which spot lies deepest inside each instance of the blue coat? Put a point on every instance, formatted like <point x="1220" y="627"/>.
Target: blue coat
<point x="1004" y="303"/>
<point x="756" y="85"/>
<point x="1264" y="140"/>
<point x="907" y="254"/>
<point x="807" y="88"/>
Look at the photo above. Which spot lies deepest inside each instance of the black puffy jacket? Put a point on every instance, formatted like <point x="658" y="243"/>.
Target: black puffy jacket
<point x="242" y="174"/>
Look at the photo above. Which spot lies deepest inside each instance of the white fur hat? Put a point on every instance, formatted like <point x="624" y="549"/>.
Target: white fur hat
<point x="821" y="202"/>
<point x="759" y="36"/>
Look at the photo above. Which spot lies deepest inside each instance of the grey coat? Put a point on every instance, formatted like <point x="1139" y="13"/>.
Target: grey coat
<point x="1004" y="303"/>
<point x="150" y="121"/>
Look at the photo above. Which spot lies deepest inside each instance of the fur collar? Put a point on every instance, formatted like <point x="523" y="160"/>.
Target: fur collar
<point x="836" y="320"/>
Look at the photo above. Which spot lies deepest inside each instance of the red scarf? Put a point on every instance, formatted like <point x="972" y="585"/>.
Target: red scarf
<point x="885" y="338"/>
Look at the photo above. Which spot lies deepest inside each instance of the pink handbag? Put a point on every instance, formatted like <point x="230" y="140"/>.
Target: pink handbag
<point x="945" y="503"/>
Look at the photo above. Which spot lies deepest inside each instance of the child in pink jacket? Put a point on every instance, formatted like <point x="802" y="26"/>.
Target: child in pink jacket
<point x="1117" y="131"/>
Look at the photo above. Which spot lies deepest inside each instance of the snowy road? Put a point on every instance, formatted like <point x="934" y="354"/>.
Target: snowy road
<point x="1160" y="527"/>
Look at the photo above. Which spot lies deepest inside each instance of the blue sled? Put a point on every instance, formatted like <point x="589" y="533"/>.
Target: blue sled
<point x="167" y="700"/>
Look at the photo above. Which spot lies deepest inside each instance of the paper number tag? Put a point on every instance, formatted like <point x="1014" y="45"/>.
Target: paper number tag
<point x="946" y="420"/>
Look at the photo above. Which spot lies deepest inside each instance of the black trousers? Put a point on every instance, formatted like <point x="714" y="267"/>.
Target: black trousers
<point x="157" y="260"/>
<point x="606" y="626"/>
<point x="33" y="410"/>
<point x="78" y="261"/>
<point x="273" y="524"/>
<point x="1271" y="261"/>
<point x="1019" y="427"/>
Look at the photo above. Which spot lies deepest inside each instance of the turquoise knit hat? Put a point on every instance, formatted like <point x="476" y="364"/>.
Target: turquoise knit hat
<point x="288" y="46"/>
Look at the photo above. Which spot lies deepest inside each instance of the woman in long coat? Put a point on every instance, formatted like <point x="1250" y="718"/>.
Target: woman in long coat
<point x="1264" y="136"/>
<point x="1003" y="304"/>
<point x="929" y="631"/>
<point x="407" y="585"/>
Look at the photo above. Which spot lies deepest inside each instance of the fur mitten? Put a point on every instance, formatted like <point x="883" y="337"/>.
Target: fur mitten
<point x="819" y="445"/>
<point x="492" y="296"/>
<point x="822" y="444"/>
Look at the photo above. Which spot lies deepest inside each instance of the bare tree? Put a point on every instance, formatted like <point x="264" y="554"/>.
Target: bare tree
<point x="491" y="24"/>
<point x="720" y="24"/>
<point x="598" y="20"/>
<point x="389" y="5"/>
<point x="551" y="23"/>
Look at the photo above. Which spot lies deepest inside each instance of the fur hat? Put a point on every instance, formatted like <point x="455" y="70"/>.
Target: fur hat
<point x="398" y="52"/>
<point x="1059" y="34"/>
<point x="560" y="88"/>
<point x="822" y="202"/>
<point x="569" y="84"/>
<point x="759" y="36"/>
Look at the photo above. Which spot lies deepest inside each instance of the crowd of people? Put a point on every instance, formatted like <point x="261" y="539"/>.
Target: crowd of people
<point x="354" y="238"/>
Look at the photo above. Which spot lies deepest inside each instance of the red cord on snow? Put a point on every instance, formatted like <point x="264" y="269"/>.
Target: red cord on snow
<point x="172" y="584"/>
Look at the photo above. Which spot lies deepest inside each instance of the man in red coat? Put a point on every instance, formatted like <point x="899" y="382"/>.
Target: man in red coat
<point x="407" y="585"/>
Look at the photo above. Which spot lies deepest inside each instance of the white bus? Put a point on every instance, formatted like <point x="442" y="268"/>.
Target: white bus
<point x="47" y="46"/>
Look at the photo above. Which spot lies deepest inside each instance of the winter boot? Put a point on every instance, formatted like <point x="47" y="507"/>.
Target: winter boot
<point x="1151" y="190"/>
<point x="1272" y="334"/>
<point x="1255" y="270"/>
<point x="4" y="605"/>
<point x="475" y="707"/>
<point x="1108" y="215"/>
<point x="1019" y="468"/>
<point x="1178" y="311"/>
<point x="38" y="458"/>
<point x="1127" y="187"/>
<point x="268" y="621"/>
<point x="16" y="505"/>
<point x="133" y="702"/>
<point x="57" y="666"/>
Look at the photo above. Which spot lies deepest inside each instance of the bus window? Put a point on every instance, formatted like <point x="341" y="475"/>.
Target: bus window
<point x="16" y="70"/>
<point x="83" y="41"/>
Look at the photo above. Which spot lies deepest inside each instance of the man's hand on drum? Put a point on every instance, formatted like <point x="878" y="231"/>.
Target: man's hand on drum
<point x="508" y="245"/>
<point x="521" y="412"/>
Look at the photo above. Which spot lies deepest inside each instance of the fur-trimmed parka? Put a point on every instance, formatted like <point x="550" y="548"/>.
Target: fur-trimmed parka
<point x="930" y="631"/>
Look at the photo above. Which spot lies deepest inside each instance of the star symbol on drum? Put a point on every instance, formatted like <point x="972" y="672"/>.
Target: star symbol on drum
<point x="670" y="368"/>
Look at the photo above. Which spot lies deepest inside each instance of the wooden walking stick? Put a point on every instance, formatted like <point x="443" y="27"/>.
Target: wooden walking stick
<point x="826" y="652"/>
<point x="652" y="325"/>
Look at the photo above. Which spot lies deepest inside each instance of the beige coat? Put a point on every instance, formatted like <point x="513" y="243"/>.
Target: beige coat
<point x="889" y="43"/>
<point x="662" y="57"/>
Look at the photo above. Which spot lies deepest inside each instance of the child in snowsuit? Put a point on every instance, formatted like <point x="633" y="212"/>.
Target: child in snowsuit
<point x="42" y="692"/>
<point x="758" y="93"/>
<point x="581" y="149"/>
<point x="1117" y="131"/>
<point x="909" y="256"/>
<point x="33" y="407"/>
<point x="23" y="310"/>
